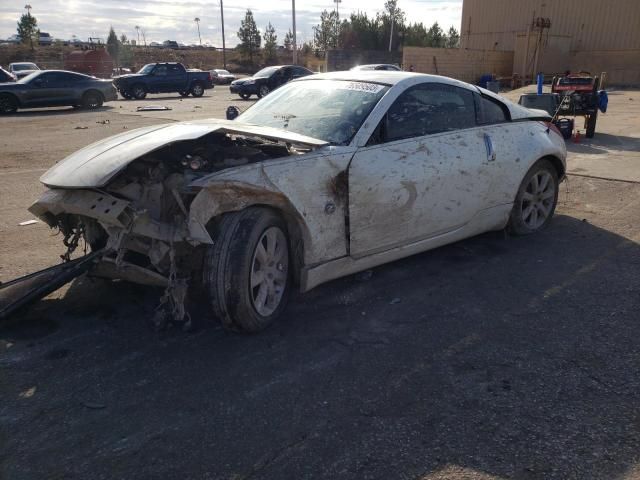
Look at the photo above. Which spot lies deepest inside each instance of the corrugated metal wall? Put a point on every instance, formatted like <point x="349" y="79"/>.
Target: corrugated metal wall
<point x="592" y="24"/>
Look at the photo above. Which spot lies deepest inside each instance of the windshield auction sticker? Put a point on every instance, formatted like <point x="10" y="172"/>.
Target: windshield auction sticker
<point x="361" y="87"/>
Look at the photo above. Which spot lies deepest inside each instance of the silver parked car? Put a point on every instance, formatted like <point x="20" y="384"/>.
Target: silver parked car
<point x="22" y="69"/>
<point x="328" y="175"/>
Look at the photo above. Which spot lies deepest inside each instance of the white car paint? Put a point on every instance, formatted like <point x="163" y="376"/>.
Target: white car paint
<point x="400" y="198"/>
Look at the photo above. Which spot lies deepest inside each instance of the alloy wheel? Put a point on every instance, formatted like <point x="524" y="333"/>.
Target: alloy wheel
<point x="269" y="271"/>
<point x="538" y="199"/>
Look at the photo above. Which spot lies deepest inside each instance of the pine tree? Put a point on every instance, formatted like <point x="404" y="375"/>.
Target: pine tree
<point x="249" y="35"/>
<point x="270" y="43"/>
<point x="113" y="45"/>
<point x="453" y="38"/>
<point x="28" y="29"/>
<point x="288" y="41"/>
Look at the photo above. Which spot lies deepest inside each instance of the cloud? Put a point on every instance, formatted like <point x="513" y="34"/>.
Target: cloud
<point x="172" y="20"/>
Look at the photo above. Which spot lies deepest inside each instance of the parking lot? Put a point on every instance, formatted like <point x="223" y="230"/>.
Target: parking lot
<point x="496" y="357"/>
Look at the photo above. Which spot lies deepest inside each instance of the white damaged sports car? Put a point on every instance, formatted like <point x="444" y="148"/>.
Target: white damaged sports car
<point x="326" y="176"/>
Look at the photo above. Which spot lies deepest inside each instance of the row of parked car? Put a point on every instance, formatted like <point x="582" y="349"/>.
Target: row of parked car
<point x="24" y="85"/>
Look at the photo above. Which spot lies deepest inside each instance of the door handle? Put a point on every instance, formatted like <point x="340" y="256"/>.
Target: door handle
<point x="491" y="153"/>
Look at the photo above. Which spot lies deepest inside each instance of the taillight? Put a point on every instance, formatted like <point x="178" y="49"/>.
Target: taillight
<point x="552" y="126"/>
<point x="210" y="77"/>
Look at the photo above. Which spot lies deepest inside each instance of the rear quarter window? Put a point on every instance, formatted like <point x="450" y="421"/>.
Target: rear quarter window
<point x="491" y="111"/>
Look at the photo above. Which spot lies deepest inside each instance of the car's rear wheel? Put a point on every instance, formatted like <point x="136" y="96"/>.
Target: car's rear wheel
<point x="8" y="104"/>
<point x="92" y="100"/>
<point x="536" y="200"/>
<point x="245" y="96"/>
<point x="263" y="91"/>
<point x="246" y="271"/>
<point x="197" y="90"/>
<point x="139" y="92"/>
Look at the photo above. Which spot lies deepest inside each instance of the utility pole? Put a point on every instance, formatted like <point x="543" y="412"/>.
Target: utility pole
<point x="28" y="7"/>
<point x="392" y="14"/>
<point x="224" y="54"/>
<point x="337" y="2"/>
<point x="295" y="46"/>
<point x="197" y="20"/>
<point x="138" y="32"/>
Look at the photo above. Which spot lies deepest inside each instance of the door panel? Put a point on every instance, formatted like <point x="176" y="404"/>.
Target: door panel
<point x="404" y="191"/>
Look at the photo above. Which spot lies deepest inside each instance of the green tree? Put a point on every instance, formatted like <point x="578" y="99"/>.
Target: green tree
<point x="28" y="29"/>
<point x="249" y="35"/>
<point x="395" y="15"/>
<point x="270" y="43"/>
<point x="126" y="52"/>
<point x="113" y="45"/>
<point x="435" y="36"/>
<point x="324" y="34"/>
<point x="453" y="38"/>
<point x="288" y="41"/>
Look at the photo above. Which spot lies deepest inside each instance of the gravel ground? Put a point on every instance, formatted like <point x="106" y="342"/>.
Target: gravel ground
<point x="492" y="358"/>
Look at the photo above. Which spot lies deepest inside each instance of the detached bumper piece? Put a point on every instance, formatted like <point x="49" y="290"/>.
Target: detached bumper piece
<point x="24" y="290"/>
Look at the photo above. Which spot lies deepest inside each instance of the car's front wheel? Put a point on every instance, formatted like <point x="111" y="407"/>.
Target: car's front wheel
<point x="536" y="200"/>
<point x="139" y="92"/>
<point x="8" y="104"/>
<point x="245" y="96"/>
<point x="246" y="271"/>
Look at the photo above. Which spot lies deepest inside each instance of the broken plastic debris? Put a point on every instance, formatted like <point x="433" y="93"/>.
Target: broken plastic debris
<point x="28" y="393"/>
<point x="104" y="122"/>
<point x="152" y="108"/>
<point x="81" y="128"/>
<point x="28" y="222"/>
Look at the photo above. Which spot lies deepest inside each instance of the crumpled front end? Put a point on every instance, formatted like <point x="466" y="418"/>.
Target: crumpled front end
<point x="142" y="217"/>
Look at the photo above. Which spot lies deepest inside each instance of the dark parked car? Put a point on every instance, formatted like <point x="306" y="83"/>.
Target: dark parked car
<point x="377" y="66"/>
<point x="55" y="88"/>
<point x="163" y="78"/>
<point x="267" y="79"/>
<point x="6" y="76"/>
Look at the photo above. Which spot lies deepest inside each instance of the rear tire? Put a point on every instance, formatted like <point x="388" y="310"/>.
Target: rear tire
<point x="263" y="91"/>
<point x="246" y="271"/>
<point x="536" y="199"/>
<point x="197" y="89"/>
<point x="92" y="100"/>
<point x="8" y="104"/>
<point x="139" y="92"/>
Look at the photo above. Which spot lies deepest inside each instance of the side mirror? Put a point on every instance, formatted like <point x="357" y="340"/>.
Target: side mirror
<point x="232" y="112"/>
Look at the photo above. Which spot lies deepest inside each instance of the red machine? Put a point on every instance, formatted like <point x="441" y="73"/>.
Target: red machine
<point x="96" y="62"/>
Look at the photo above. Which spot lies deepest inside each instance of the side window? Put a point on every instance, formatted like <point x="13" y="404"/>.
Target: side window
<point x="429" y="108"/>
<point x="491" y="111"/>
<point x="160" y="70"/>
<point x="174" y="70"/>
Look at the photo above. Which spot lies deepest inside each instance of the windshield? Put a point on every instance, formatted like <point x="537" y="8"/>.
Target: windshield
<point x="266" y="72"/>
<point x="29" y="77"/>
<point x="330" y="110"/>
<point x="147" y="68"/>
<point x="24" y="66"/>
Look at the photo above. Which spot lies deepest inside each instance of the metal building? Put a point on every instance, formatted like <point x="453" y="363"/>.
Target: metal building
<point x="558" y="35"/>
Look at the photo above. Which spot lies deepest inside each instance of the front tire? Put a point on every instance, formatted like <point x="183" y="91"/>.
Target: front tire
<point x="139" y="92"/>
<point x="245" y="96"/>
<point x="246" y="271"/>
<point x="536" y="200"/>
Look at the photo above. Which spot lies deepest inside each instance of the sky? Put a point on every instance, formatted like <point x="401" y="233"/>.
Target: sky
<point x="174" y="19"/>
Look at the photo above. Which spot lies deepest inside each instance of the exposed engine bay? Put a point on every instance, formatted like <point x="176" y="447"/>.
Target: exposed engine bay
<point x="140" y="218"/>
